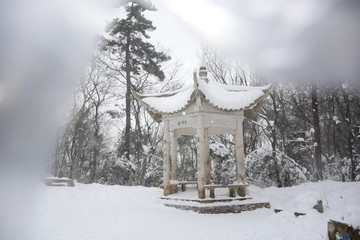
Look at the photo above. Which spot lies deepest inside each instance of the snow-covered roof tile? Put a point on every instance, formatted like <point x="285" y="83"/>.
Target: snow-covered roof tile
<point x="172" y="103"/>
<point x="220" y="96"/>
<point x="230" y="97"/>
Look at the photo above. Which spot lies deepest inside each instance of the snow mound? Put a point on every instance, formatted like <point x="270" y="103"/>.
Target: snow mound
<point x="307" y="200"/>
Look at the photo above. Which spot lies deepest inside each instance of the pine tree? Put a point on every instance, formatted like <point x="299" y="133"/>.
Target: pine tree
<point x="127" y="39"/>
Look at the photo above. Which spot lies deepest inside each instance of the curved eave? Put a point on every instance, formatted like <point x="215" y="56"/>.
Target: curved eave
<point x="166" y="94"/>
<point x="250" y="110"/>
<point x="156" y="114"/>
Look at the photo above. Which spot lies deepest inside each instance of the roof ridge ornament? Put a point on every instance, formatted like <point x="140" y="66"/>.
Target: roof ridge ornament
<point x="203" y="74"/>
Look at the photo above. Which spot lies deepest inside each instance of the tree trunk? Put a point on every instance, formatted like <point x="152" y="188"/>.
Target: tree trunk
<point x="350" y="137"/>
<point x="96" y="150"/>
<point x="127" y="99"/>
<point x="273" y="142"/>
<point x="334" y="142"/>
<point x="145" y="158"/>
<point x="80" y="128"/>
<point x="350" y="148"/>
<point x="78" y="154"/>
<point x="143" y="170"/>
<point x="139" y="142"/>
<point x="253" y="139"/>
<point x="274" y="156"/>
<point x="316" y="121"/>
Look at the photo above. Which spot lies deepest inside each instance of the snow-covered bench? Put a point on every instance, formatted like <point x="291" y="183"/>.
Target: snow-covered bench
<point x="183" y="184"/>
<point x="50" y="181"/>
<point x="241" y="189"/>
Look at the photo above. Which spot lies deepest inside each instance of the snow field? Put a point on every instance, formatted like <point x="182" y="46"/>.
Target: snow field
<point x="118" y="212"/>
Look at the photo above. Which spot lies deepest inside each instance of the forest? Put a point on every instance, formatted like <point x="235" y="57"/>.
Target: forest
<point x="307" y="130"/>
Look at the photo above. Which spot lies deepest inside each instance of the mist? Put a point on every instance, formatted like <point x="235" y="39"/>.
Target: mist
<point x="292" y="40"/>
<point x="44" y="45"/>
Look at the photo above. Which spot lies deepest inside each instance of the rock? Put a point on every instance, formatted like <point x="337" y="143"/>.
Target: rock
<point x="319" y="207"/>
<point x="338" y="230"/>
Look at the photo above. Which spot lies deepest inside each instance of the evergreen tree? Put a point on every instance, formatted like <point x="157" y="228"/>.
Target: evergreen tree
<point x="127" y="39"/>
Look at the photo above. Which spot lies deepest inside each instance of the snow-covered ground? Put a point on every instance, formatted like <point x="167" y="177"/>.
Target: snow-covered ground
<point x="118" y="212"/>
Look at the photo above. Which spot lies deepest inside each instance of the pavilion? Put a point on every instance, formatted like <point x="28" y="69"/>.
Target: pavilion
<point x="204" y="108"/>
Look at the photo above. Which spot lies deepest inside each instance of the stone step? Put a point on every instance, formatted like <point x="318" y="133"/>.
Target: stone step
<point x="217" y="209"/>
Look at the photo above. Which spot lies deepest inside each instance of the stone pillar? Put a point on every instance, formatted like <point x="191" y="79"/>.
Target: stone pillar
<point x="200" y="156"/>
<point x="166" y="152"/>
<point x="174" y="163"/>
<point x="239" y="152"/>
<point x="207" y="156"/>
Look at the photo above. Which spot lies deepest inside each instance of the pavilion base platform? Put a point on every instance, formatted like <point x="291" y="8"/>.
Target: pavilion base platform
<point x="221" y="204"/>
<point x="211" y="200"/>
<point x="217" y="209"/>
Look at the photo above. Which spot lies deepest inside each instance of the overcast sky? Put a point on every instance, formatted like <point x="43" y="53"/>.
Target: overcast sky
<point x="282" y="38"/>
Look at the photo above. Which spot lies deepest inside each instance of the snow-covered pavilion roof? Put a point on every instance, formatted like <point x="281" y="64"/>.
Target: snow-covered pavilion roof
<point x="226" y="98"/>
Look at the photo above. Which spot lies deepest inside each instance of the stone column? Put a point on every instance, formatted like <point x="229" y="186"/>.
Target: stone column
<point x="207" y="156"/>
<point x="239" y="152"/>
<point x="174" y="163"/>
<point x="166" y="153"/>
<point x="200" y="156"/>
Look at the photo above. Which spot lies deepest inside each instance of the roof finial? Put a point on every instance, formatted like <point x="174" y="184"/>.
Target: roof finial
<point x="203" y="74"/>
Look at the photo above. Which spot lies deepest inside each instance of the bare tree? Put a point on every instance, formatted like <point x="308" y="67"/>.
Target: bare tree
<point x="345" y="109"/>
<point x="225" y="72"/>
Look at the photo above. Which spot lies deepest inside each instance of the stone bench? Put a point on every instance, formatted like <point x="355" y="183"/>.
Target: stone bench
<point x="51" y="181"/>
<point x="183" y="184"/>
<point x="241" y="189"/>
